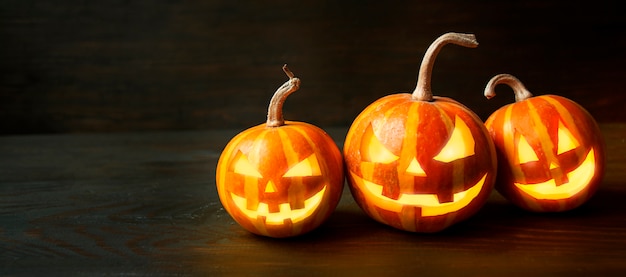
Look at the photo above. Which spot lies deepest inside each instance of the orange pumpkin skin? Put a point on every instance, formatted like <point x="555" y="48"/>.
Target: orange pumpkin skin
<point x="269" y="201"/>
<point x="419" y="162"/>
<point x="281" y="178"/>
<point x="415" y="132"/>
<point x="534" y="126"/>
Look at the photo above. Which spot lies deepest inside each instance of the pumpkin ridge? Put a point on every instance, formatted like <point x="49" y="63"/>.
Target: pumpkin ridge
<point x="296" y="190"/>
<point x="321" y="150"/>
<point x="409" y="218"/>
<point x="408" y="150"/>
<point x="511" y="141"/>
<point x="568" y="120"/>
<point x="307" y="136"/>
<point x="229" y="151"/>
<point x="291" y="155"/>
<point x="546" y="144"/>
<point x="325" y="148"/>
<point x="251" y="186"/>
<point x="446" y="194"/>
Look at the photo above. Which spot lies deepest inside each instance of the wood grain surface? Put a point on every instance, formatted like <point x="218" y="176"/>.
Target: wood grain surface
<point x="145" y="204"/>
<point x="100" y="66"/>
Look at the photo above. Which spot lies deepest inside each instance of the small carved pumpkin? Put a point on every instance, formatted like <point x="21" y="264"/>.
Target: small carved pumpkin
<point x="419" y="162"/>
<point x="281" y="178"/>
<point x="550" y="151"/>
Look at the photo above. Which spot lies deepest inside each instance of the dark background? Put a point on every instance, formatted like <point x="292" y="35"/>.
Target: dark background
<point x="111" y="66"/>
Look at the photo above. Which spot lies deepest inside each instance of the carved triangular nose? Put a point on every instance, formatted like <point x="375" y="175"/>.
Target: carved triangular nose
<point x="270" y="187"/>
<point x="415" y="168"/>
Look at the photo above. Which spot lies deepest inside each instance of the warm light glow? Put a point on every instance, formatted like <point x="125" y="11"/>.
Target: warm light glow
<point x="428" y="202"/>
<point x="579" y="178"/>
<point x="415" y="168"/>
<point x="525" y="152"/>
<point x="270" y="187"/>
<point x="553" y="165"/>
<point x="567" y="142"/>
<point x="244" y="167"/>
<point x="372" y="150"/>
<point x="285" y="211"/>
<point x="459" y="145"/>
<point x="306" y="167"/>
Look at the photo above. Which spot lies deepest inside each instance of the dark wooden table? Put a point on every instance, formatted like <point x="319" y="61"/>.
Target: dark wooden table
<point x="146" y="204"/>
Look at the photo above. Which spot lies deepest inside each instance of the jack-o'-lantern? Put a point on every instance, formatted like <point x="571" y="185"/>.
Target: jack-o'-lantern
<point x="281" y="178"/>
<point x="419" y="162"/>
<point x="550" y="151"/>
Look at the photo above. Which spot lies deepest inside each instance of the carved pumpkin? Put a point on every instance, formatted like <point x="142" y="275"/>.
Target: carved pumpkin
<point x="550" y="152"/>
<point x="419" y="162"/>
<point x="281" y="178"/>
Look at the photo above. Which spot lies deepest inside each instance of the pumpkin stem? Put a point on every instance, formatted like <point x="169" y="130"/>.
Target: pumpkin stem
<point x="423" y="91"/>
<point x="520" y="91"/>
<point x="275" y="109"/>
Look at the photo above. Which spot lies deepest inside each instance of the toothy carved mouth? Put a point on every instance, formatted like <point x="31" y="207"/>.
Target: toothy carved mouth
<point x="429" y="203"/>
<point x="285" y="212"/>
<point x="578" y="178"/>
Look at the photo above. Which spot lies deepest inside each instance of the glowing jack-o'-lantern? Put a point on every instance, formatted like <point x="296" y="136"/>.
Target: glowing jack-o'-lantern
<point x="550" y="152"/>
<point x="281" y="178"/>
<point x="419" y="162"/>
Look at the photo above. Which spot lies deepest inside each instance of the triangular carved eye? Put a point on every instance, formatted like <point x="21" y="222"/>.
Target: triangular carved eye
<point x="567" y="142"/>
<point x="372" y="150"/>
<point x="243" y="166"/>
<point x="460" y="144"/>
<point x="306" y="167"/>
<point x="525" y="152"/>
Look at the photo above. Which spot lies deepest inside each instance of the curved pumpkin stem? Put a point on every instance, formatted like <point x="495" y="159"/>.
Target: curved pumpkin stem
<point x="520" y="91"/>
<point x="423" y="91"/>
<point x="275" y="109"/>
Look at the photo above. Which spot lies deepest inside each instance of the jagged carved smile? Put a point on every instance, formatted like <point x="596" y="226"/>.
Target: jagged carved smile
<point x="429" y="203"/>
<point x="285" y="213"/>
<point x="578" y="178"/>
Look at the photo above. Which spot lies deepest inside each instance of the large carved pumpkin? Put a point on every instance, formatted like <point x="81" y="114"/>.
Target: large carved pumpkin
<point x="550" y="151"/>
<point x="419" y="162"/>
<point x="281" y="178"/>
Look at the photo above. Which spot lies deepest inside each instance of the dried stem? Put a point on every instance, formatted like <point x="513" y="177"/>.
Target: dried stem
<point x="520" y="91"/>
<point x="423" y="90"/>
<point x="275" y="109"/>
